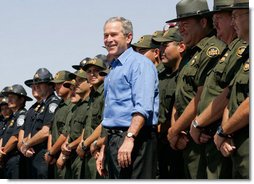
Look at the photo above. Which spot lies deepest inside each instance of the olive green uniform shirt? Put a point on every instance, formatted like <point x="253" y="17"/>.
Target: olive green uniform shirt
<point x="95" y="110"/>
<point x="78" y="119"/>
<point x="60" y="119"/>
<point x="193" y="74"/>
<point x="167" y="85"/>
<point x="222" y="74"/>
<point x="239" y="87"/>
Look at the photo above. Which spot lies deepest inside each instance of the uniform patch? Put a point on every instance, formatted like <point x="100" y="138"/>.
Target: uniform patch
<point x="212" y="51"/>
<point x="20" y="120"/>
<point x="240" y="51"/>
<point x="52" y="107"/>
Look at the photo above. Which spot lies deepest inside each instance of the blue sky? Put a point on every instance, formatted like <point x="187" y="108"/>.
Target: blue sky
<point x="57" y="34"/>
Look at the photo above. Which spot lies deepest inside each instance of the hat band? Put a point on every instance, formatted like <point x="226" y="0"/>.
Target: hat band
<point x="193" y="14"/>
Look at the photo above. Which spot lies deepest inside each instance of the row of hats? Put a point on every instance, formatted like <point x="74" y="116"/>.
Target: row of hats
<point x="190" y="8"/>
<point x="186" y="9"/>
<point x="42" y="75"/>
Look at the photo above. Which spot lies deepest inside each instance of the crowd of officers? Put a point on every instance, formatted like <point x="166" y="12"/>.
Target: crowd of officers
<point x="203" y="129"/>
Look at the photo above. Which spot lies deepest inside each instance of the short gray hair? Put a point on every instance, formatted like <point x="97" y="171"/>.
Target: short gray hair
<point x="126" y="24"/>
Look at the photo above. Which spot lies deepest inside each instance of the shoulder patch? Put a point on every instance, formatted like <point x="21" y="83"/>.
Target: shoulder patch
<point x="240" y="50"/>
<point x="20" y="120"/>
<point x="212" y="51"/>
<point x="52" y="107"/>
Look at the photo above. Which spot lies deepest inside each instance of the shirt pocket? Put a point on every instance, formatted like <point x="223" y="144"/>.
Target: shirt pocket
<point x="242" y="86"/>
<point x="189" y="79"/>
<point x="96" y="116"/>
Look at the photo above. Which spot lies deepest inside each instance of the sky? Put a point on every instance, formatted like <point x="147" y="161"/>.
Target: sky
<point x="57" y="34"/>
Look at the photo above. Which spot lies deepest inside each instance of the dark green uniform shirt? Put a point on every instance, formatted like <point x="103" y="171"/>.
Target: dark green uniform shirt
<point x="167" y="85"/>
<point x="60" y="119"/>
<point x="222" y="74"/>
<point x="239" y="88"/>
<point x="193" y="74"/>
<point x="95" y="110"/>
<point x="78" y="120"/>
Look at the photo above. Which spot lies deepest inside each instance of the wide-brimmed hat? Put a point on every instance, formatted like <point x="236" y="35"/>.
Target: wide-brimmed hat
<point x="61" y="76"/>
<point x="172" y="34"/>
<point x="81" y="64"/>
<point x="42" y="75"/>
<point x="190" y="8"/>
<point x="146" y="42"/>
<point x="80" y="73"/>
<point x="17" y="89"/>
<point x="240" y="4"/>
<point x="95" y="62"/>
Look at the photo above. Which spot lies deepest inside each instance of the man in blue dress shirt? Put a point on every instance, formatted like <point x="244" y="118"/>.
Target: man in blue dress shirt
<point x="131" y="107"/>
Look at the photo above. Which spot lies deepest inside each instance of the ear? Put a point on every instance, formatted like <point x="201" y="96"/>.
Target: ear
<point x="181" y="47"/>
<point x="129" y="38"/>
<point x="157" y="53"/>
<point x="203" y="22"/>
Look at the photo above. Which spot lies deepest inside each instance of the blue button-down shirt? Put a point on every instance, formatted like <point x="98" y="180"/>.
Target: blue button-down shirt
<point x="131" y="87"/>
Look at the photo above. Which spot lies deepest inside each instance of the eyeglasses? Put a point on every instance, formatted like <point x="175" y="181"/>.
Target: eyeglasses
<point x="239" y="15"/>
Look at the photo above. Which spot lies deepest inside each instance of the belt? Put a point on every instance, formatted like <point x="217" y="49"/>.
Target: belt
<point x="120" y="130"/>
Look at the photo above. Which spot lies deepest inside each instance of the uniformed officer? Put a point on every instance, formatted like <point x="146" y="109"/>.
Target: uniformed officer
<point x="94" y="119"/>
<point x="56" y="137"/>
<point x="196" y="27"/>
<point x="146" y="46"/>
<point x="232" y="136"/>
<point x="215" y="86"/>
<point x="39" y="129"/>
<point x="68" y="156"/>
<point x="24" y="130"/>
<point x="17" y="98"/>
<point x="6" y="118"/>
<point x="172" y="50"/>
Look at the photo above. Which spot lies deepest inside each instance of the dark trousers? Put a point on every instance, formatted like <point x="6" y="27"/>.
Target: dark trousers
<point x="144" y="155"/>
<point x="170" y="162"/>
<point x="38" y="167"/>
<point x="11" y="170"/>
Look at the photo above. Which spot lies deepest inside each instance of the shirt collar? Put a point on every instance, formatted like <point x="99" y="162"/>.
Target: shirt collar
<point x="124" y="56"/>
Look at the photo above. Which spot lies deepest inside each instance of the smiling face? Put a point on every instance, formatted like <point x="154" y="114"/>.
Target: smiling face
<point x="115" y="41"/>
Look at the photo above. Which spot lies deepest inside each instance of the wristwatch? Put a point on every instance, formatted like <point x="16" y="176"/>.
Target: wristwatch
<point x="130" y="135"/>
<point x="195" y="124"/>
<point x="221" y="133"/>
<point x="84" y="147"/>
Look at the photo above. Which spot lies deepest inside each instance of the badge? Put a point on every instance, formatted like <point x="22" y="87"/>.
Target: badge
<point x="57" y="75"/>
<point x="11" y="123"/>
<point x="192" y="62"/>
<point x="52" y="107"/>
<point x="36" y="76"/>
<point x="212" y="51"/>
<point x="141" y="39"/>
<point x="240" y="51"/>
<point x="20" y="120"/>
<point x="42" y="109"/>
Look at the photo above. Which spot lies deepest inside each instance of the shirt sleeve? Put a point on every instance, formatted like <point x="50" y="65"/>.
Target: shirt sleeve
<point x="144" y="86"/>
